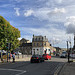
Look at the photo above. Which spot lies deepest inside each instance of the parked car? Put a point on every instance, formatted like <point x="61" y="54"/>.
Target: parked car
<point x="47" y="56"/>
<point x="37" y="58"/>
<point x="64" y="54"/>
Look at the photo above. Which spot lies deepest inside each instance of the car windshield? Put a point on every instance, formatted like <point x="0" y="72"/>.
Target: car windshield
<point x="63" y="52"/>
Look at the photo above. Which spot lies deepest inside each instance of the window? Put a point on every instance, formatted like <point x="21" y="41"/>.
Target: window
<point x="40" y="44"/>
<point x="49" y="49"/>
<point x="37" y="44"/>
<point x="33" y="44"/>
<point x="37" y="49"/>
<point x="34" y="51"/>
<point x="35" y="39"/>
<point x="45" y="43"/>
<point x="39" y="39"/>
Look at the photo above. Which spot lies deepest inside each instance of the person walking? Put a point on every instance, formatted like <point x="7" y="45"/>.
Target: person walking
<point x="13" y="55"/>
<point x="10" y="55"/>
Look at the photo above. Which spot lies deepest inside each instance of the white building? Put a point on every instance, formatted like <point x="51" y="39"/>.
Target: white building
<point x="40" y="45"/>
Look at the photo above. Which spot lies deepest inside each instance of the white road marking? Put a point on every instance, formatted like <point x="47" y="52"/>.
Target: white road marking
<point x="14" y="70"/>
<point x="21" y="73"/>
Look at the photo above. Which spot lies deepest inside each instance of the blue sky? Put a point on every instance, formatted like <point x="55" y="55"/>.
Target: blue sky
<point x="52" y="18"/>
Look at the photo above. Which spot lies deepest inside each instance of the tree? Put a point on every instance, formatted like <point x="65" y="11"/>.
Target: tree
<point x="8" y="34"/>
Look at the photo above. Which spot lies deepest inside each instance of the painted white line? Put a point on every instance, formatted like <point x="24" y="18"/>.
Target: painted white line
<point x="21" y="73"/>
<point x="14" y="70"/>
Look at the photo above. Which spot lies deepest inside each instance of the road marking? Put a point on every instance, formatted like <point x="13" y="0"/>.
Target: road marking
<point x="14" y="70"/>
<point x="21" y="73"/>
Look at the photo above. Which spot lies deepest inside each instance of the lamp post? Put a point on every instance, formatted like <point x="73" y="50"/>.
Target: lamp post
<point x="68" y="51"/>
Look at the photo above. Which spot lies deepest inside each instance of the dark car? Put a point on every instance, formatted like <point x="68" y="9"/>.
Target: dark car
<point x="37" y="58"/>
<point x="47" y="56"/>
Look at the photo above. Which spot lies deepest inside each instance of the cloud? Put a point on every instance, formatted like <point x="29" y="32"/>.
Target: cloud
<point x="17" y="11"/>
<point x="57" y="10"/>
<point x="18" y="1"/>
<point x="7" y="5"/>
<point x="70" y="24"/>
<point x="46" y="13"/>
<point x="53" y="3"/>
<point x="59" y="1"/>
<point x="49" y="14"/>
<point x="28" y="13"/>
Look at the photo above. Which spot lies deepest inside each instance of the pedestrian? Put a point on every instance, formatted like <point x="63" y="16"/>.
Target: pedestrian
<point x="13" y="55"/>
<point x="10" y="55"/>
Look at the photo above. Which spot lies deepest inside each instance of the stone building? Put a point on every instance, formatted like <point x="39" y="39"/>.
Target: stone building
<point x="23" y="40"/>
<point x="25" y="46"/>
<point x="40" y="45"/>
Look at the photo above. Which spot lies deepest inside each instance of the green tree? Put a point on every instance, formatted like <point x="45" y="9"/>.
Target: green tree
<point x="9" y="34"/>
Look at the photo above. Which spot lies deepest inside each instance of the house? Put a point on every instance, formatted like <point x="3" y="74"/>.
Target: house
<point x="25" y="46"/>
<point x="40" y="45"/>
<point x="23" y="40"/>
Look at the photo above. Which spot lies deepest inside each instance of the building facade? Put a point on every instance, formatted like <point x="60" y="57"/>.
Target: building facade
<point x="40" y="45"/>
<point x="25" y="47"/>
<point x="23" y="40"/>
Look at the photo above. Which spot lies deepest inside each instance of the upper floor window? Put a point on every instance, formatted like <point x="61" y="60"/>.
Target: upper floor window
<point x="37" y="44"/>
<point x="33" y="44"/>
<point x="41" y="44"/>
<point x="35" y="39"/>
<point x="45" y="43"/>
<point x="39" y="39"/>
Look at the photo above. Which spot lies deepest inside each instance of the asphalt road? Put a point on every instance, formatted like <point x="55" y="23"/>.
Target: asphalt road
<point x="27" y="68"/>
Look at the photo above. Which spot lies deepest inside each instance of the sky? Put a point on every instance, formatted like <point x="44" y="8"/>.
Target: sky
<point x="54" y="19"/>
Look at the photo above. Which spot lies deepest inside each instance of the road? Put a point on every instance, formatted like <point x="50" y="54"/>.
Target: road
<point x="26" y="68"/>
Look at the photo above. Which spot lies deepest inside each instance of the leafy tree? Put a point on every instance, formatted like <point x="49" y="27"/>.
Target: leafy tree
<point x="8" y="34"/>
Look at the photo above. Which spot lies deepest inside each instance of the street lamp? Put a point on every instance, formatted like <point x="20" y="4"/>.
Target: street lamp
<point x="68" y="51"/>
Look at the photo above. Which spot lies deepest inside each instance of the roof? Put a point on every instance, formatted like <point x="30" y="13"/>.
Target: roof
<point x="24" y="39"/>
<point x="25" y="44"/>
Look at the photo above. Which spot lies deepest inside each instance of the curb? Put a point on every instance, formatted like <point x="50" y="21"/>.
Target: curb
<point x="59" y="69"/>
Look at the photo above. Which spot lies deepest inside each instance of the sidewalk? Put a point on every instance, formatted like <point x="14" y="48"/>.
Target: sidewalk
<point x="68" y="69"/>
<point x="20" y="58"/>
